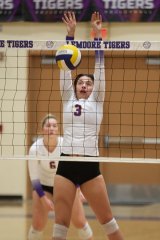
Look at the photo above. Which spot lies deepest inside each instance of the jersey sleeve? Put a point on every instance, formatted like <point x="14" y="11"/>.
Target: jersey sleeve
<point x="33" y="173"/>
<point x="66" y="86"/>
<point x="99" y="76"/>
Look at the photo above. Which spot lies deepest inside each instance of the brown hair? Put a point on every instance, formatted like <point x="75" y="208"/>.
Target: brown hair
<point x="81" y="75"/>
<point x="48" y="116"/>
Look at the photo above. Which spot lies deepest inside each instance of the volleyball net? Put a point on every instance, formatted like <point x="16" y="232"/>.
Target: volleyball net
<point x="29" y="89"/>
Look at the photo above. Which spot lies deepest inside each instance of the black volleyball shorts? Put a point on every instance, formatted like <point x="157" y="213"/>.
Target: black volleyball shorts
<point x="78" y="172"/>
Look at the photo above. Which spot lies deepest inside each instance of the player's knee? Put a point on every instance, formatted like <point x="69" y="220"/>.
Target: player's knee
<point x="60" y="231"/>
<point x="111" y="226"/>
<point x="34" y="234"/>
<point x="85" y="232"/>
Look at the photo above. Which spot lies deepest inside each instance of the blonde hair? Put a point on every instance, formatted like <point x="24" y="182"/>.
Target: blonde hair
<point x="48" y="116"/>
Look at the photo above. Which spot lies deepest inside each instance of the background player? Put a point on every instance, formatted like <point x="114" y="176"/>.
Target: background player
<point x="41" y="174"/>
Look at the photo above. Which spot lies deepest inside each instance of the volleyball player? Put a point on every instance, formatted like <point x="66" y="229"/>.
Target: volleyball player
<point x="82" y="116"/>
<point x="42" y="174"/>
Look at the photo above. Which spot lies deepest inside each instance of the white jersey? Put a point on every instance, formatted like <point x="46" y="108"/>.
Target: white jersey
<point x="44" y="170"/>
<point x="82" y="118"/>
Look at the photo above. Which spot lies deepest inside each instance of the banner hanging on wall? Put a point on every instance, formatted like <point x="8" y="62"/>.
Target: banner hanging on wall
<point x="53" y="10"/>
<point x="11" y="10"/>
<point x="128" y="10"/>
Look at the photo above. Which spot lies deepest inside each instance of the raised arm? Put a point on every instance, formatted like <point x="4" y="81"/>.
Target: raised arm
<point x="66" y="86"/>
<point x="99" y="73"/>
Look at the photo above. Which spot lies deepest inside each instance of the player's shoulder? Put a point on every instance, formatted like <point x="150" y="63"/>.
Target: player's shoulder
<point x="60" y="140"/>
<point x="37" y="143"/>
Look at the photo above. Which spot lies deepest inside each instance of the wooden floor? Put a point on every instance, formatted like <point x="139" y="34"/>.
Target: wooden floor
<point x="136" y="222"/>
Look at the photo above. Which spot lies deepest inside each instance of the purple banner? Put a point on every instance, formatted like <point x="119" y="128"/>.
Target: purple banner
<point x="128" y="10"/>
<point x="53" y="10"/>
<point x="10" y="10"/>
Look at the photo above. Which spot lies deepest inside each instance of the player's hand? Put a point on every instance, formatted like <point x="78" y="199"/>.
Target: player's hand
<point x="96" y="22"/>
<point x="70" y="20"/>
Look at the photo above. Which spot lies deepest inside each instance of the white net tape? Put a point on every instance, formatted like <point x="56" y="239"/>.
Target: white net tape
<point x="85" y="159"/>
<point x="83" y="45"/>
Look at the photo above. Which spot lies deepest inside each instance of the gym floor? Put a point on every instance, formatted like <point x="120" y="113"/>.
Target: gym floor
<point x="137" y="222"/>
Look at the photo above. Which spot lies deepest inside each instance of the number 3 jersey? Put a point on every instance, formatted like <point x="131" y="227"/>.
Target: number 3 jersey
<point x="82" y="117"/>
<point x="44" y="170"/>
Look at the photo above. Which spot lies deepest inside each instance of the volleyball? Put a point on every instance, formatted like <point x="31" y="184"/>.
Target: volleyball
<point x="68" y="57"/>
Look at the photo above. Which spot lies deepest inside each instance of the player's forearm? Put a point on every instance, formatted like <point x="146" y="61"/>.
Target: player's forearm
<point x="71" y="34"/>
<point x="98" y="34"/>
<point x="99" y="55"/>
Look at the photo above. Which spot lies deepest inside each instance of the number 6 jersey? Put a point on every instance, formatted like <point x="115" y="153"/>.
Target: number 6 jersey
<point x="43" y="170"/>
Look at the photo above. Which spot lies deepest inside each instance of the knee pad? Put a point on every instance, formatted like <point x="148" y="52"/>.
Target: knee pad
<point x="60" y="231"/>
<point x="111" y="227"/>
<point x="85" y="232"/>
<point x="34" y="234"/>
